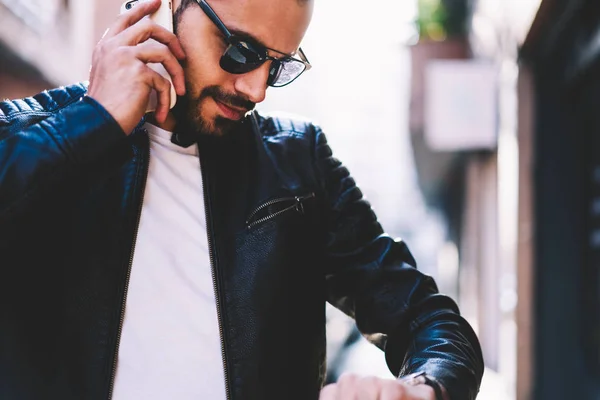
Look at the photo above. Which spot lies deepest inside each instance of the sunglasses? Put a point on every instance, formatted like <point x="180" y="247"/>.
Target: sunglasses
<point x="244" y="55"/>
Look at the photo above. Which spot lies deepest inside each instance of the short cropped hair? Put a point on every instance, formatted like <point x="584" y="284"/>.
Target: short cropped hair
<point x="186" y="3"/>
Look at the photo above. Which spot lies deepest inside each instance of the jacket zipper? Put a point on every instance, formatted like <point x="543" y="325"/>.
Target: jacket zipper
<point x="298" y="206"/>
<point x="128" y="276"/>
<point x="211" y="253"/>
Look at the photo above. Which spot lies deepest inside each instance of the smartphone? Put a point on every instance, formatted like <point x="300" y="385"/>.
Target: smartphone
<point x="164" y="18"/>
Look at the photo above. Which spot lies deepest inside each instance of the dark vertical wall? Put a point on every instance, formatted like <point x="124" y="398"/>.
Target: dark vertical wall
<point x="587" y="125"/>
<point x="560" y="243"/>
<point x="567" y="153"/>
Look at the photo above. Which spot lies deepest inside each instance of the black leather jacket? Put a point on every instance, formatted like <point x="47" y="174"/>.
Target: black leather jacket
<point x="288" y="230"/>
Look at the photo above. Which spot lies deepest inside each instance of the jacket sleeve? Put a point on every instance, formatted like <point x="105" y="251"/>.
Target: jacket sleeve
<point x="38" y="153"/>
<point x="374" y="279"/>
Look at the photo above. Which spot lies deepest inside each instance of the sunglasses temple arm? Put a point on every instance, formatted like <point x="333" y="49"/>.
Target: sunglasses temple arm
<point x="213" y="17"/>
<point x="302" y="55"/>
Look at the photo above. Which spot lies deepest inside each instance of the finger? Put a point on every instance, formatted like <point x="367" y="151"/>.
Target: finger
<point x="347" y="388"/>
<point x="392" y="390"/>
<point x="329" y="392"/>
<point x="369" y="388"/>
<point x="153" y="52"/>
<point x="163" y="89"/>
<point x="421" y="392"/>
<point x="133" y="16"/>
<point x="148" y="29"/>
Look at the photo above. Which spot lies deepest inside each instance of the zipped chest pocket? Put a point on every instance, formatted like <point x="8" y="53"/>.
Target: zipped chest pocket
<point x="276" y="208"/>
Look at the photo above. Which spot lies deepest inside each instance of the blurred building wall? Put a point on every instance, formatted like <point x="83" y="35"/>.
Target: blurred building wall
<point x="47" y="43"/>
<point x="525" y="255"/>
<point x="477" y="189"/>
<point x="18" y="79"/>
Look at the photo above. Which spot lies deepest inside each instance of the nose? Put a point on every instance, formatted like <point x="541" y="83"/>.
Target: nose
<point x="253" y="84"/>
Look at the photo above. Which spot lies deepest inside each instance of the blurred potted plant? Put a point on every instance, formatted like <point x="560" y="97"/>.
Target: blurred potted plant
<point x="442" y="27"/>
<point x="431" y="20"/>
<point x="438" y="20"/>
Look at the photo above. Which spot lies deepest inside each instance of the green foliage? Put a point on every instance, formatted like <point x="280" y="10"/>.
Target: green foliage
<point x="440" y="19"/>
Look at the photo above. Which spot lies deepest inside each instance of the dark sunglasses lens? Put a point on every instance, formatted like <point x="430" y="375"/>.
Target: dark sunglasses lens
<point x="285" y="72"/>
<point x="240" y="58"/>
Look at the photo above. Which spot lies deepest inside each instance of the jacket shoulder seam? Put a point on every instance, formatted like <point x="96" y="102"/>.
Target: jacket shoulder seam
<point x="41" y="113"/>
<point x="44" y="114"/>
<point x="285" y="132"/>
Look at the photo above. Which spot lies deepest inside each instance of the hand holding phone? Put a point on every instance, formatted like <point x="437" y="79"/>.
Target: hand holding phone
<point x="164" y="18"/>
<point x="122" y="79"/>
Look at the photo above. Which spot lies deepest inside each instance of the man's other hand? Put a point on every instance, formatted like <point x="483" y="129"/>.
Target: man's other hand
<point x="354" y="387"/>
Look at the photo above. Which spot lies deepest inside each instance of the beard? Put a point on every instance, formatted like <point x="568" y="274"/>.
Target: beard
<point x="188" y="113"/>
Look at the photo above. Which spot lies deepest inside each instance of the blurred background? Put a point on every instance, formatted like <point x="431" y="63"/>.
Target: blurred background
<point x="470" y="125"/>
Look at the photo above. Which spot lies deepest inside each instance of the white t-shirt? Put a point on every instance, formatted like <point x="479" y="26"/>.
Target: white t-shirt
<point x="170" y="344"/>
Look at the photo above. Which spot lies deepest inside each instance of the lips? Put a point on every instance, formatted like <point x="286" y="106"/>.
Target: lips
<point x="230" y="112"/>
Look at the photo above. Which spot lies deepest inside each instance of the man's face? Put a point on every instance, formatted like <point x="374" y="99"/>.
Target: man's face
<point x="216" y="101"/>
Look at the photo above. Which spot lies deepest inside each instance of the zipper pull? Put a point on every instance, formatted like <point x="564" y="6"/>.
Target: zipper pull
<point x="299" y="200"/>
<point x="299" y="205"/>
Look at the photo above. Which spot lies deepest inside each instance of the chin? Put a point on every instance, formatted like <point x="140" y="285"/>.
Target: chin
<point x="191" y="119"/>
<point x="222" y="126"/>
<point x="215" y="126"/>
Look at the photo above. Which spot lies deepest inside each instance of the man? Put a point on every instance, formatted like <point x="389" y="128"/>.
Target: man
<point x="190" y="255"/>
